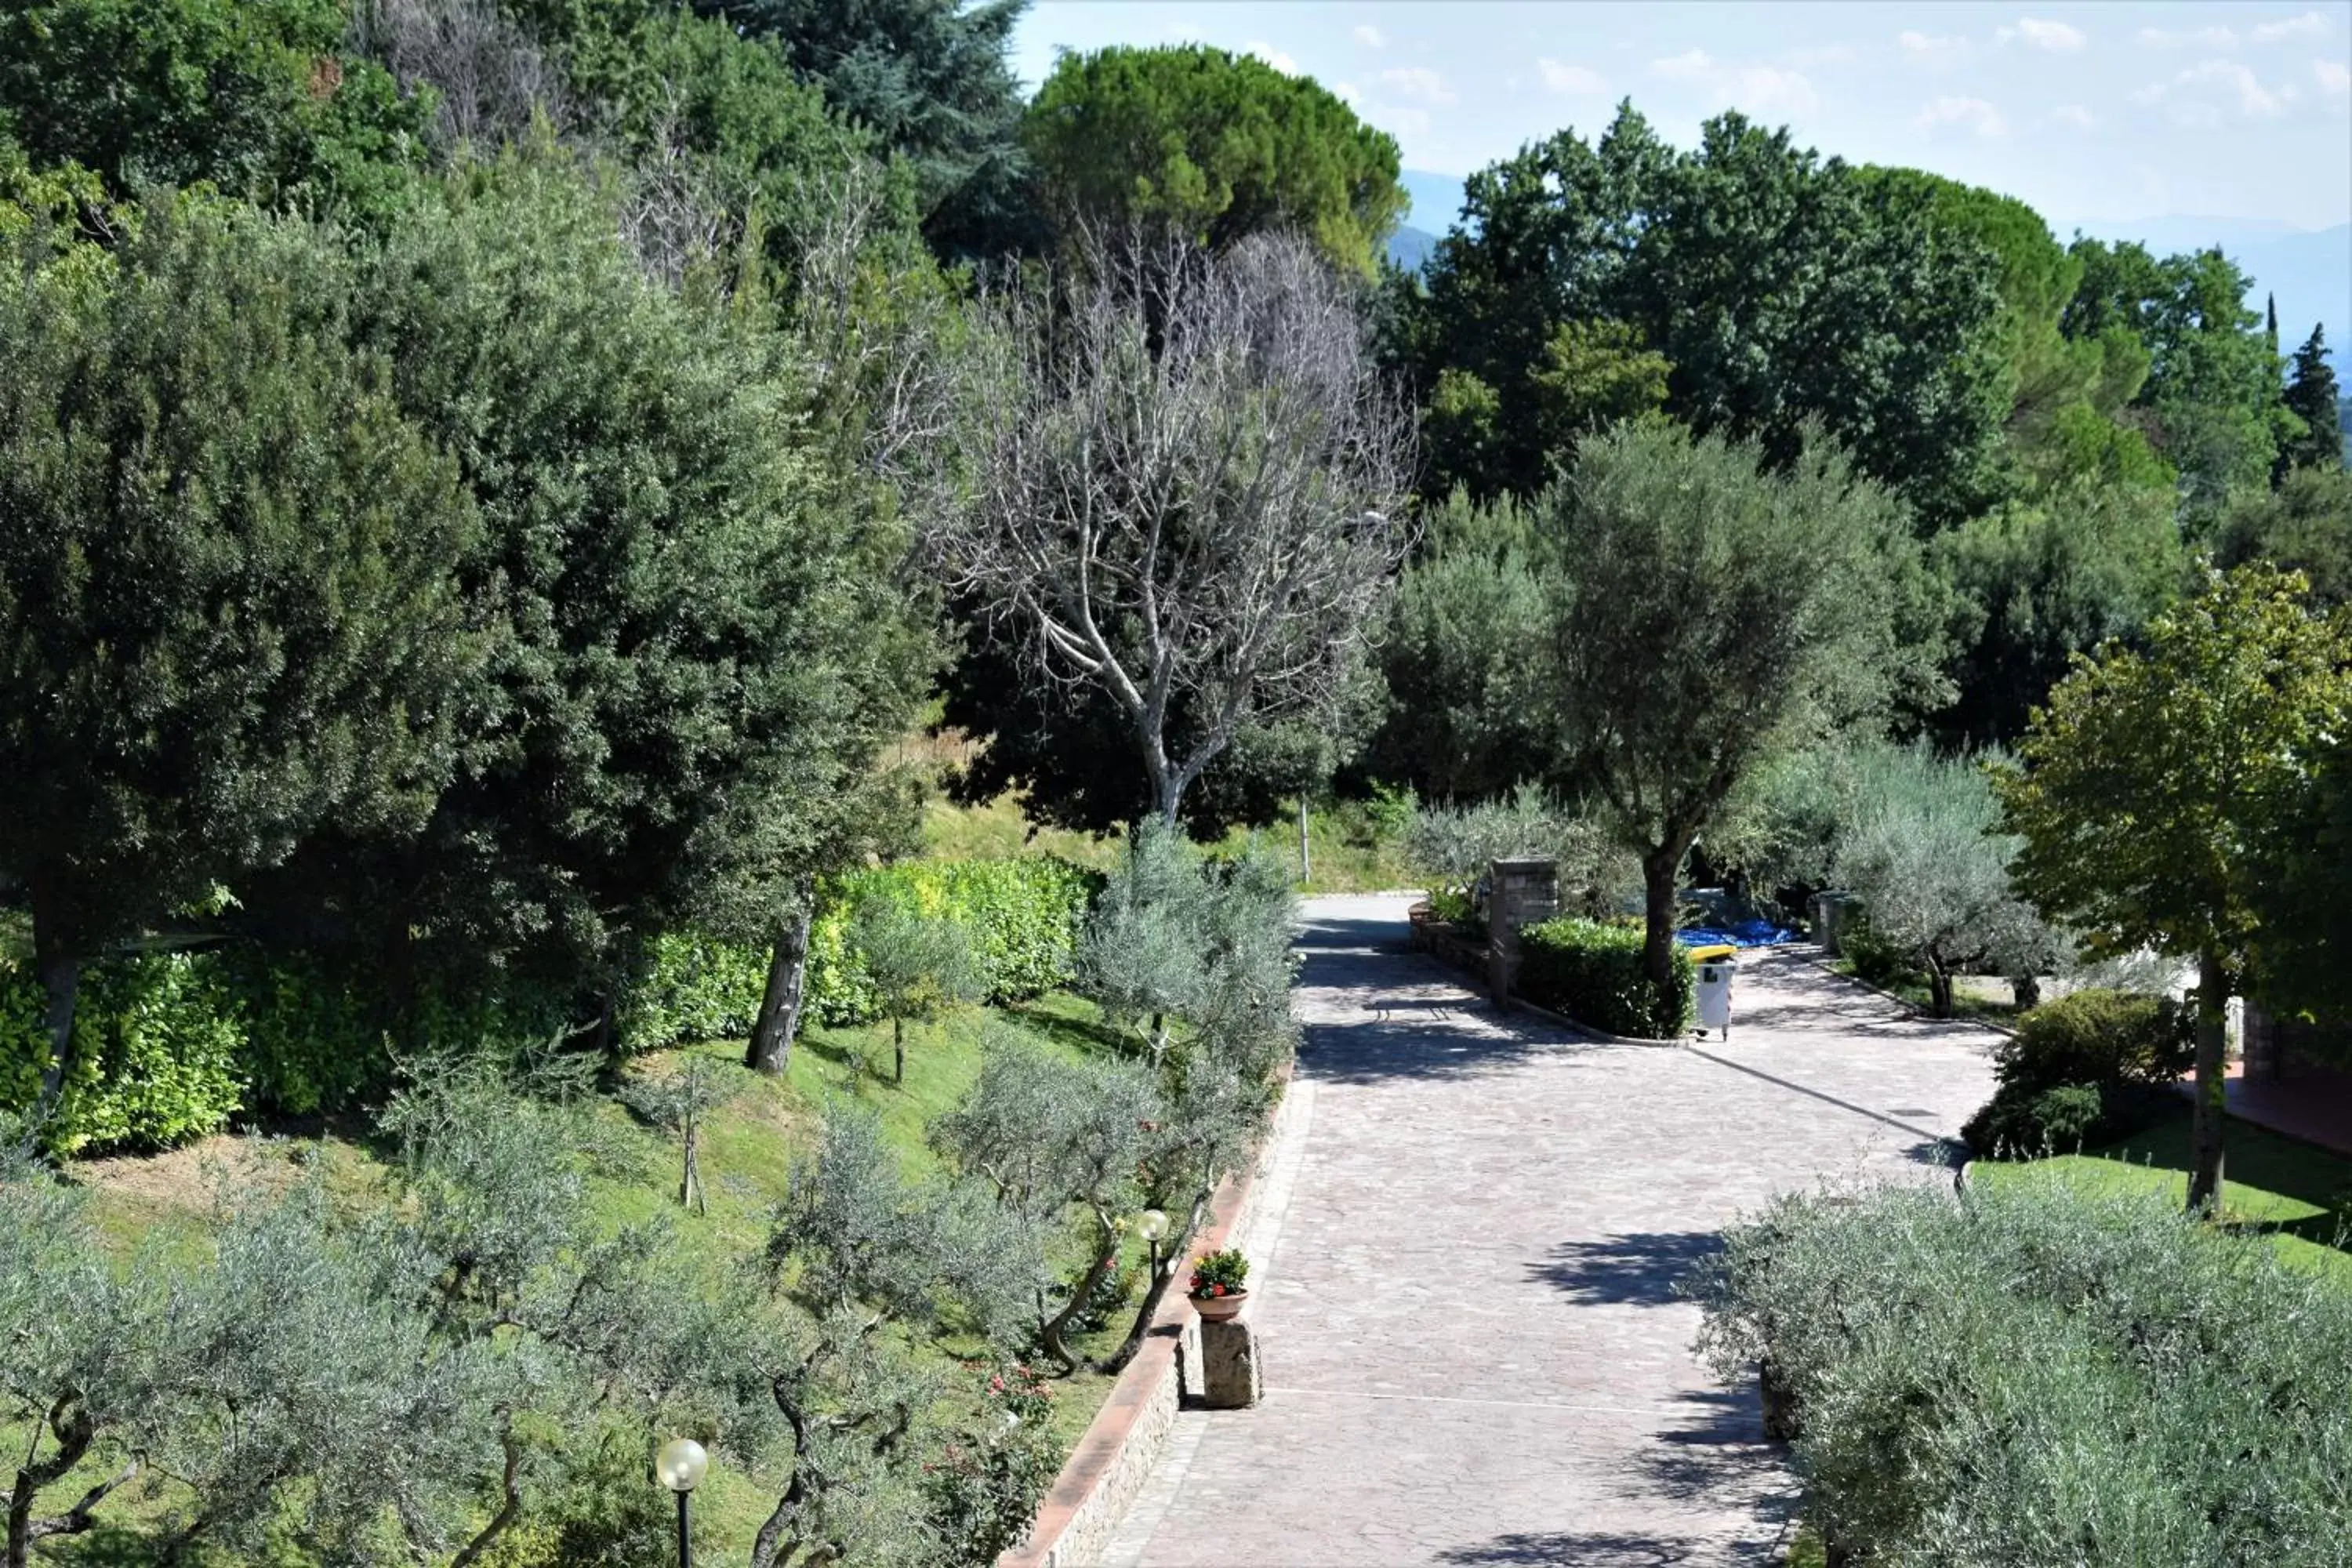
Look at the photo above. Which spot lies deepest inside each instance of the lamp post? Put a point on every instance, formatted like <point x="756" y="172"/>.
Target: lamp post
<point x="1152" y="1225"/>
<point x="680" y="1466"/>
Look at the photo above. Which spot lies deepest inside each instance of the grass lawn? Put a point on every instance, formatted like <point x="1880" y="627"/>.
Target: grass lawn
<point x="1345" y="857"/>
<point x="2296" y="1193"/>
<point x="747" y="1152"/>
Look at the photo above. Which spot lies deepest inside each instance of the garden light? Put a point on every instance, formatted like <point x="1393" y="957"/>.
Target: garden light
<point x="681" y="1466"/>
<point x="1153" y="1224"/>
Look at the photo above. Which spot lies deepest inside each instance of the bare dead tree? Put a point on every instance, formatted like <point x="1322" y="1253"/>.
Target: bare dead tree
<point x="1180" y="475"/>
<point x="491" y="77"/>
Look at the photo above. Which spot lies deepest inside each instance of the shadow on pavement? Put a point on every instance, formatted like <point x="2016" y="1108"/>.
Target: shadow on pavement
<point x="1606" y="1550"/>
<point x="1722" y="1457"/>
<point x="1419" y="1019"/>
<point x="1643" y="1269"/>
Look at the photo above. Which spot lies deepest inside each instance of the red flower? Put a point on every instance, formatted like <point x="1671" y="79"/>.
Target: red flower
<point x="1216" y="1289"/>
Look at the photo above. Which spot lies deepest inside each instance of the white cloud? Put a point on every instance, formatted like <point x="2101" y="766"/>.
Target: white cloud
<point x="1933" y="48"/>
<point x="2309" y="25"/>
<point x="1972" y="112"/>
<point x="1569" y="79"/>
<point x="2075" y="115"/>
<point x="1759" y="89"/>
<point x="2196" y="97"/>
<point x="2335" y="78"/>
<point x="1370" y="36"/>
<point x="1273" y="58"/>
<point x="1348" y="92"/>
<point x="2055" y="37"/>
<point x="1419" y="85"/>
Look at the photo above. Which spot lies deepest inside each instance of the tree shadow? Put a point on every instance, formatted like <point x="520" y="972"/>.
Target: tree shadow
<point x="1722" y="1456"/>
<point x="1425" y="1020"/>
<point x="1641" y="1269"/>
<point x="1607" y="1549"/>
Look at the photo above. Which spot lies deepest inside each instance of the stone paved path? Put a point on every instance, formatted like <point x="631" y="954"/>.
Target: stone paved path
<point x="1473" y="1349"/>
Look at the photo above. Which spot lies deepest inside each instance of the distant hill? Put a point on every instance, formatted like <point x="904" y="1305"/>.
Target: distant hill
<point x="1410" y="247"/>
<point x="1436" y="200"/>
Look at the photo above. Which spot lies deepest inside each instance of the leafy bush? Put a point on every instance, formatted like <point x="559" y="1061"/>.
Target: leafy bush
<point x="2109" y="1048"/>
<point x="157" y="1040"/>
<point x="1021" y="917"/>
<point x="694" y="988"/>
<point x="1453" y="845"/>
<point x="1591" y="970"/>
<point x="2042" y="1376"/>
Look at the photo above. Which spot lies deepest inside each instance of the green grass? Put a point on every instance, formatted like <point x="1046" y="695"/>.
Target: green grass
<point x="1913" y="989"/>
<point x="2296" y="1193"/>
<point x="746" y="1156"/>
<point x="1345" y="853"/>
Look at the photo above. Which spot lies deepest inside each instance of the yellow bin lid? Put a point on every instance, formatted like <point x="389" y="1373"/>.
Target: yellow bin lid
<point x="1709" y="955"/>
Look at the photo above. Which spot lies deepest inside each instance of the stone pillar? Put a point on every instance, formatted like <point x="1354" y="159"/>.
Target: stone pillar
<point x="1229" y="1366"/>
<point x="1523" y="893"/>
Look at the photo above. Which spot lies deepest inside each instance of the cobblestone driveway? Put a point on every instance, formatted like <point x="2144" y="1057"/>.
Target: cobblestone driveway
<point x="1473" y="1349"/>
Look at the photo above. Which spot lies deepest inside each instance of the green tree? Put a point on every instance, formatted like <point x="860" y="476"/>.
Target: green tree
<point x="2304" y="524"/>
<point x="1920" y="844"/>
<point x="1704" y="618"/>
<point x="257" y="97"/>
<point x="229" y="610"/>
<point x="1217" y="144"/>
<point x="2153" y="784"/>
<point x="2311" y="397"/>
<point x="1777" y="287"/>
<point x="919" y="966"/>
<point x="708" y="639"/>
<point x="2036" y="582"/>
<point x="1462" y="718"/>
<point x="932" y="81"/>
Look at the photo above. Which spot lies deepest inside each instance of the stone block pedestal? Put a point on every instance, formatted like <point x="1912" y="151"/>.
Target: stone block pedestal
<point x="1229" y="1365"/>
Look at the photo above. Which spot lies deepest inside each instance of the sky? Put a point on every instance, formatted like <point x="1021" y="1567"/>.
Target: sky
<point x="2092" y="113"/>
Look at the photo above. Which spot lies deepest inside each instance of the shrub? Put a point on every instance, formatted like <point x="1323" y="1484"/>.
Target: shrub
<point x="694" y="988"/>
<point x="1020" y="918"/>
<point x="1591" y="970"/>
<point x="157" y="1039"/>
<point x="2044" y="1374"/>
<point x="2110" y="1048"/>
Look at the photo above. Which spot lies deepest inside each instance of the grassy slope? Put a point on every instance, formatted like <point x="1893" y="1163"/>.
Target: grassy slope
<point x="2298" y="1194"/>
<point x="1346" y="858"/>
<point x="746" y="1156"/>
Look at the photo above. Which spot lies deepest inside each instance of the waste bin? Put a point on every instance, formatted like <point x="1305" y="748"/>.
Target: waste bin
<point x="1716" y="974"/>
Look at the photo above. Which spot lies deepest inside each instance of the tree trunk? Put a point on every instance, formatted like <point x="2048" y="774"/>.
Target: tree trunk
<point x="1658" y="869"/>
<point x="1939" y="988"/>
<point x="1306" y="855"/>
<point x="60" y="971"/>
<point x="2213" y="1066"/>
<point x="779" y="1023"/>
<point x="1051" y="1331"/>
<point x="897" y="1051"/>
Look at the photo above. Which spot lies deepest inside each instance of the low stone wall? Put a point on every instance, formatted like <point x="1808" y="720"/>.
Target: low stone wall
<point x="1082" y="1511"/>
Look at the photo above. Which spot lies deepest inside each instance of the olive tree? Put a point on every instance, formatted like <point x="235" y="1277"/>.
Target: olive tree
<point x="1921" y="845"/>
<point x="920" y="964"/>
<point x="2154" y="789"/>
<point x="1707" y="614"/>
<point x="1177" y="478"/>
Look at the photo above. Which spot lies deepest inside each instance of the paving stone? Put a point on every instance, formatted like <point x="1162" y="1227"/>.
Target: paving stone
<point x="1477" y="1352"/>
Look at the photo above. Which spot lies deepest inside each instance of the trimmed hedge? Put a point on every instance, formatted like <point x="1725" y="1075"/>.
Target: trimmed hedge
<point x="172" y="1046"/>
<point x="2089" y="1067"/>
<point x="1591" y="970"/>
<point x="2042" y="1374"/>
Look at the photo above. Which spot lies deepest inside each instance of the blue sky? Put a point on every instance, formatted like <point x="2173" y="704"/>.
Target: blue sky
<point x="2093" y="114"/>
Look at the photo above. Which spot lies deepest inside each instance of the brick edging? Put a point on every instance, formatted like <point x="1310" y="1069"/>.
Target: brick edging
<point x="1111" y="1459"/>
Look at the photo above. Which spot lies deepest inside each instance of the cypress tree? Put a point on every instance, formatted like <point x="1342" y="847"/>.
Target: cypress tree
<point x="2311" y="397"/>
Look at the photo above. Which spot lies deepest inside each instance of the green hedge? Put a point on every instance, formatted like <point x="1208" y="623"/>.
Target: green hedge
<point x="1591" y="970"/>
<point x="1023" y="918"/>
<point x="172" y="1046"/>
<point x="2089" y="1067"/>
<point x="2042" y="1374"/>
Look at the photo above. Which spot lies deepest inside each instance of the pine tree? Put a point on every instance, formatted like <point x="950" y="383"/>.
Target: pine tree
<point x="2270" y="307"/>
<point x="2311" y="397"/>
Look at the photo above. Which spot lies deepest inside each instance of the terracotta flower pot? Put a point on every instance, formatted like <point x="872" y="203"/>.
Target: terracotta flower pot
<point x="1220" y="1309"/>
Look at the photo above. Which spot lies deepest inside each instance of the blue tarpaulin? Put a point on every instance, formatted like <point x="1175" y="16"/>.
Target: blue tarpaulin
<point x="1740" y="934"/>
